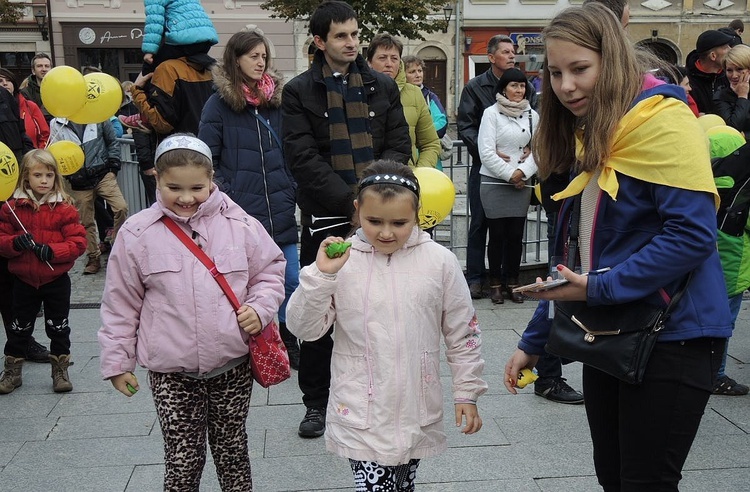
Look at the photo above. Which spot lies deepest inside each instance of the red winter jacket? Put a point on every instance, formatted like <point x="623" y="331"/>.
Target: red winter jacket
<point x="56" y="224"/>
<point x="36" y="126"/>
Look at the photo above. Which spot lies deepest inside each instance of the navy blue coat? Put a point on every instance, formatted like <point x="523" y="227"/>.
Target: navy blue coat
<point x="248" y="161"/>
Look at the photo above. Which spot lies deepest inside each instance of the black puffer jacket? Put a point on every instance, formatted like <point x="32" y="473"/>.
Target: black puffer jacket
<point x="248" y="162"/>
<point x="307" y="144"/>
<point x="12" y="128"/>
<point x="704" y="85"/>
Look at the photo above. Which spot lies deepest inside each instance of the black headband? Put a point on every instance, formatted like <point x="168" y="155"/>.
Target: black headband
<point x="391" y="179"/>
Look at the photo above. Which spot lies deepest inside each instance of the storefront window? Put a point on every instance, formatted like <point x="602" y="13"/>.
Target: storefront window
<point x="18" y="62"/>
<point x="121" y="63"/>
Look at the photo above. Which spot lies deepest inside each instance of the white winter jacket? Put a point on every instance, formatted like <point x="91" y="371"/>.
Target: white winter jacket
<point x="501" y="133"/>
<point x="386" y="398"/>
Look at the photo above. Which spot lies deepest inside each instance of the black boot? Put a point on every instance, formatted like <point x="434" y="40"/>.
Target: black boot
<point x="292" y="347"/>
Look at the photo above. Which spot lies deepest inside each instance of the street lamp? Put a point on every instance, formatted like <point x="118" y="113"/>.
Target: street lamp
<point x="447" y="13"/>
<point x="40" y="15"/>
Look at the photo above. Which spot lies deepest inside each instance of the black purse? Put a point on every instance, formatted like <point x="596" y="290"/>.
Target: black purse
<point x="616" y="339"/>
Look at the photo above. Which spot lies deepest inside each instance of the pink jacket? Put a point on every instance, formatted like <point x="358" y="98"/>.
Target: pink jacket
<point x="386" y="397"/>
<point x="161" y="306"/>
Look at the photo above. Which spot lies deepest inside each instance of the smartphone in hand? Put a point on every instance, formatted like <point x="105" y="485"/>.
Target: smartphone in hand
<point x="542" y="286"/>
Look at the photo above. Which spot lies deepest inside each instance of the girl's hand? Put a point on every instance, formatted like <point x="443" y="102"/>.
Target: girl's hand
<point x="473" y="420"/>
<point x="519" y="360"/>
<point x="330" y="265"/>
<point x="148" y="58"/>
<point x="121" y="382"/>
<point x="249" y="320"/>
<point x="575" y="290"/>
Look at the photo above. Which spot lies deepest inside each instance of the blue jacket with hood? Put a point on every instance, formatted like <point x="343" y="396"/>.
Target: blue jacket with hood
<point x="650" y="238"/>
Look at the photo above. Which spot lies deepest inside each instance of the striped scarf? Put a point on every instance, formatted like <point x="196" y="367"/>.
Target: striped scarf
<point x="348" y="126"/>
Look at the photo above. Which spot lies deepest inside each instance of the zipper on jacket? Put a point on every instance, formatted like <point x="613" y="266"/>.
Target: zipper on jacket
<point x="263" y="169"/>
<point x="399" y="341"/>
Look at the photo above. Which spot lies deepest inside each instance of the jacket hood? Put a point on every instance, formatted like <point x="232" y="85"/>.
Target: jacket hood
<point x="417" y="237"/>
<point x="234" y="98"/>
<point x="401" y="76"/>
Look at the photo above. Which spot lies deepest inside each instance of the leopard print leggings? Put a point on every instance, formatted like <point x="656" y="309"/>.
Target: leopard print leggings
<point x="188" y="410"/>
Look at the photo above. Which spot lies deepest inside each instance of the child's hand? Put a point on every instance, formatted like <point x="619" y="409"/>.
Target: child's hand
<point x="141" y="80"/>
<point x="249" y="320"/>
<point x="121" y="382"/>
<point x="23" y="242"/>
<point x="330" y="265"/>
<point x="473" y="420"/>
<point x="148" y="58"/>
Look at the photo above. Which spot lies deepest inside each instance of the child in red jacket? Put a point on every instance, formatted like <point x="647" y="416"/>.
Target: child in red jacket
<point x="41" y="235"/>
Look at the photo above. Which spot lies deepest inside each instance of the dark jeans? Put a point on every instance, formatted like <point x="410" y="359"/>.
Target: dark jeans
<point x="642" y="433"/>
<point x="104" y="217"/>
<point x="477" y="240"/>
<point x="6" y="293"/>
<point x="149" y="188"/>
<point x="26" y="303"/>
<point x="315" y="357"/>
<point x="505" y="248"/>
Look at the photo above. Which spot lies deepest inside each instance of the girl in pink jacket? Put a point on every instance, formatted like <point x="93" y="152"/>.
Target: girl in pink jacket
<point x="391" y="296"/>
<point x="163" y="309"/>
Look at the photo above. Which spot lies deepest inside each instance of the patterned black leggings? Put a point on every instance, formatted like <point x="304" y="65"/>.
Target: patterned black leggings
<point x="370" y="476"/>
<point x="188" y="410"/>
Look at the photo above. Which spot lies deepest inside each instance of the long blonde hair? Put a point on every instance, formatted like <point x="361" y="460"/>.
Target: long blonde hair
<point x="593" y="27"/>
<point x="45" y="158"/>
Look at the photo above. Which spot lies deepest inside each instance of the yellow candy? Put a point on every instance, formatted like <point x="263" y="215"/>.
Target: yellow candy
<point x="525" y="377"/>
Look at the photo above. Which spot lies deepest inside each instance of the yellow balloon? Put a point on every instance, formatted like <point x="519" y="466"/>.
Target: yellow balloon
<point x="63" y="91"/>
<point x="709" y="121"/>
<point x="103" y="99"/>
<point x="437" y="195"/>
<point x="8" y="172"/>
<point x="69" y="156"/>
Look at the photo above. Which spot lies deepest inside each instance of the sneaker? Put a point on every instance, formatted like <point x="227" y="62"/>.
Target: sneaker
<point x="314" y="423"/>
<point x="135" y="121"/>
<point x="729" y="387"/>
<point x="93" y="266"/>
<point x="557" y="390"/>
<point x="36" y="352"/>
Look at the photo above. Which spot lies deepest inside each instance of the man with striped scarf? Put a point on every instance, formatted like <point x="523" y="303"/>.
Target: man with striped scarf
<point x="339" y="116"/>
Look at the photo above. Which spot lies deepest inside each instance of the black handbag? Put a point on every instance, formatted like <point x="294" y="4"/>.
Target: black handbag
<point x="616" y="339"/>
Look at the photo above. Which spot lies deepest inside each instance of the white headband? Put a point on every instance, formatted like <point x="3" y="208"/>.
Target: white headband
<point x="182" y="142"/>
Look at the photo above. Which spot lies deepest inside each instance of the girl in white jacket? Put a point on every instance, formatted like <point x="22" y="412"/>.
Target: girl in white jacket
<point x="391" y="295"/>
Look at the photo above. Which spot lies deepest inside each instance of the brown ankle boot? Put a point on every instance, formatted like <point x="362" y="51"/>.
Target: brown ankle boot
<point x="11" y="378"/>
<point x="60" y="379"/>
<point x="516" y="297"/>
<point x="496" y="291"/>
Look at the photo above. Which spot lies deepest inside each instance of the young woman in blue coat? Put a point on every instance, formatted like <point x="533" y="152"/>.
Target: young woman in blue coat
<point x="638" y="160"/>
<point x="241" y="123"/>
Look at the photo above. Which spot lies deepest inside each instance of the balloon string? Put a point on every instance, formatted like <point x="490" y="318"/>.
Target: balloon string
<point x="24" y="229"/>
<point x="52" y="136"/>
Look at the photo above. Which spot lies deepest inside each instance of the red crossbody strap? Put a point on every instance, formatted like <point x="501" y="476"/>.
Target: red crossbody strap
<point x="203" y="257"/>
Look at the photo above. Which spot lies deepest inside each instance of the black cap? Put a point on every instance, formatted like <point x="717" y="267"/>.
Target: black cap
<point x="711" y="39"/>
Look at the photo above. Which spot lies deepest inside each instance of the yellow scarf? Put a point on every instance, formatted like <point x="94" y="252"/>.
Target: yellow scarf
<point x="659" y="141"/>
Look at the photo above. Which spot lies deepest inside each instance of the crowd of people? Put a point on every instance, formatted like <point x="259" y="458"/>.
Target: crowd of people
<point x="227" y="151"/>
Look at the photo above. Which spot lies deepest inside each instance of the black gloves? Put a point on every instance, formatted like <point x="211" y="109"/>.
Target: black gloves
<point x="23" y="242"/>
<point x="43" y="252"/>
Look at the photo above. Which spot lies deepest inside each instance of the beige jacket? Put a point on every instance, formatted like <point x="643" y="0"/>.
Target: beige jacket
<point x="386" y="399"/>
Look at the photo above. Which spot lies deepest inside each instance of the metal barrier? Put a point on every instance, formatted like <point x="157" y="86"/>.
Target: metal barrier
<point x="451" y="233"/>
<point x="129" y="177"/>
